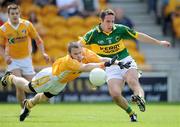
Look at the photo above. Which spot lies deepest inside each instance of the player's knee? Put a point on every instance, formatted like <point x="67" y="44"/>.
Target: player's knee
<point x="132" y="81"/>
<point x="115" y="94"/>
<point x="117" y="98"/>
<point x="134" y="84"/>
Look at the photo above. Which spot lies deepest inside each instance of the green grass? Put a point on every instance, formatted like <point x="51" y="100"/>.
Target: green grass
<point x="90" y="115"/>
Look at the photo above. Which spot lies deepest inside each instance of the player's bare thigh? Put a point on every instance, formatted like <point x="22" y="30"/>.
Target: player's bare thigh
<point x="17" y="72"/>
<point x="115" y="86"/>
<point x="28" y="77"/>
<point x="131" y="74"/>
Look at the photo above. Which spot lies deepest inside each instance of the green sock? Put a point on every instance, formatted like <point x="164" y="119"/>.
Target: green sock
<point x="129" y="110"/>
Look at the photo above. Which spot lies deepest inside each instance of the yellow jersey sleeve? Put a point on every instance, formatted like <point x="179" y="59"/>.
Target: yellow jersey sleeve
<point x="90" y="56"/>
<point x="2" y="38"/>
<point x="32" y="31"/>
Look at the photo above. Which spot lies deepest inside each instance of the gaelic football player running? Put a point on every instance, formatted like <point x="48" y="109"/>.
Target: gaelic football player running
<point x="106" y="39"/>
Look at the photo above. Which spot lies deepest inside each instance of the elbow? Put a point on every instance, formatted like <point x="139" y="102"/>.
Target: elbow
<point x="141" y="36"/>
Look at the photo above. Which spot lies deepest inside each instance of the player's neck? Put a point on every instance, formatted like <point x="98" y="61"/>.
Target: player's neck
<point x="15" y="24"/>
<point x="104" y="30"/>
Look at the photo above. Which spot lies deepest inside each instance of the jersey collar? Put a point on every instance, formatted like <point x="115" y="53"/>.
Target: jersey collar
<point x="99" y="29"/>
<point x="14" y="27"/>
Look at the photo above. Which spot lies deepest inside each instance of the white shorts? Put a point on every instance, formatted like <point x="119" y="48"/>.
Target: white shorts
<point x="23" y="64"/>
<point x="114" y="71"/>
<point x="44" y="81"/>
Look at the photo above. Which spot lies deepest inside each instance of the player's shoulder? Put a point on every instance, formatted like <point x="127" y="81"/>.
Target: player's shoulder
<point x="94" y="29"/>
<point x="119" y="26"/>
<point x="65" y="59"/>
<point x="4" y="27"/>
<point x="60" y="59"/>
<point x="25" y="22"/>
<point x="86" y="50"/>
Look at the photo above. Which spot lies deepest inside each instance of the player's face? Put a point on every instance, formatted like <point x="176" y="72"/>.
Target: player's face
<point x="76" y="53"/>
<point x="107" y="23"/>
<point x="14" y="15"/>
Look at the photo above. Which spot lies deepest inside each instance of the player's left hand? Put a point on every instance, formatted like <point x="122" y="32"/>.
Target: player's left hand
<point x="46" y="57"/>
<point x="165" y="43"/>
<point x="111" y="62"/>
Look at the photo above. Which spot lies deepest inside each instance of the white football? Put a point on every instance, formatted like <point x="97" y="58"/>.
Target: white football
<point x="97" y="77"/>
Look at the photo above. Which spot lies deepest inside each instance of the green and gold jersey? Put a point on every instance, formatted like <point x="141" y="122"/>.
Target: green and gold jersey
<point x="109" y="44"/>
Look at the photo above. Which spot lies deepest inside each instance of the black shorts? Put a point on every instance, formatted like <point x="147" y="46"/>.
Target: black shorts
<point x="49" y="95"/>
<point x="31" y="88"/>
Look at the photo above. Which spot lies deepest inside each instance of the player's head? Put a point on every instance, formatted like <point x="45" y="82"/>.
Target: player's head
<point x="13" y="13"/>
<point x="75" y="50"/>
<point x="107" y="19"/>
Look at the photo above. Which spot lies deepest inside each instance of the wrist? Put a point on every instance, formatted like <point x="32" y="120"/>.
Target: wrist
<point x="160" y="43"/>
<point x="101" y="65"/>
<point x="43" y="53"/>
<point x="6" y="56"/>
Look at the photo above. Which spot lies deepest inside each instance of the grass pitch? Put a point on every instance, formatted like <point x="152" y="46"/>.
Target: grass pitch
<point x="90" y="115"/>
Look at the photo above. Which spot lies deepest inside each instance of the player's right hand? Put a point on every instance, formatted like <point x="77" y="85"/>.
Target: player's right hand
<point x="120" y="64"/>
<point x="8" y="60"/>
<point x="126" y="65"/>
<point x="165" y="43"/>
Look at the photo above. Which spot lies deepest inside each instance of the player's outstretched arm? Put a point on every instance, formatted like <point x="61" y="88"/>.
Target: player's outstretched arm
<point x="146" y="38"/>
<point x="89" y="66"/>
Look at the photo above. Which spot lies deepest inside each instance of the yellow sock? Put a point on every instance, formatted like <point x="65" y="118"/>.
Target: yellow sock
<point x="29" y="104"/>
<point x="9" y="80"/>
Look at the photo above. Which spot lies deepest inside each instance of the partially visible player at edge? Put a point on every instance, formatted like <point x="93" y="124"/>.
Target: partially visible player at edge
<point x="15" y="46"/>
<point x="106" y="39"/>
<point x="52" y="80"/>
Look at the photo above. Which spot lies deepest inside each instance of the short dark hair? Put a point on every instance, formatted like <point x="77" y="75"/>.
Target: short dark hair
<point x="106" y="12"/>
<point x="12" y="6"/>
<point x="73" y="45"/>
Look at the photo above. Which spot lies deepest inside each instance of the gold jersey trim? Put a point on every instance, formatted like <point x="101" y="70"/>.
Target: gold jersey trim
<point x="108" y="49"/>
<point x="135" y="36"/>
